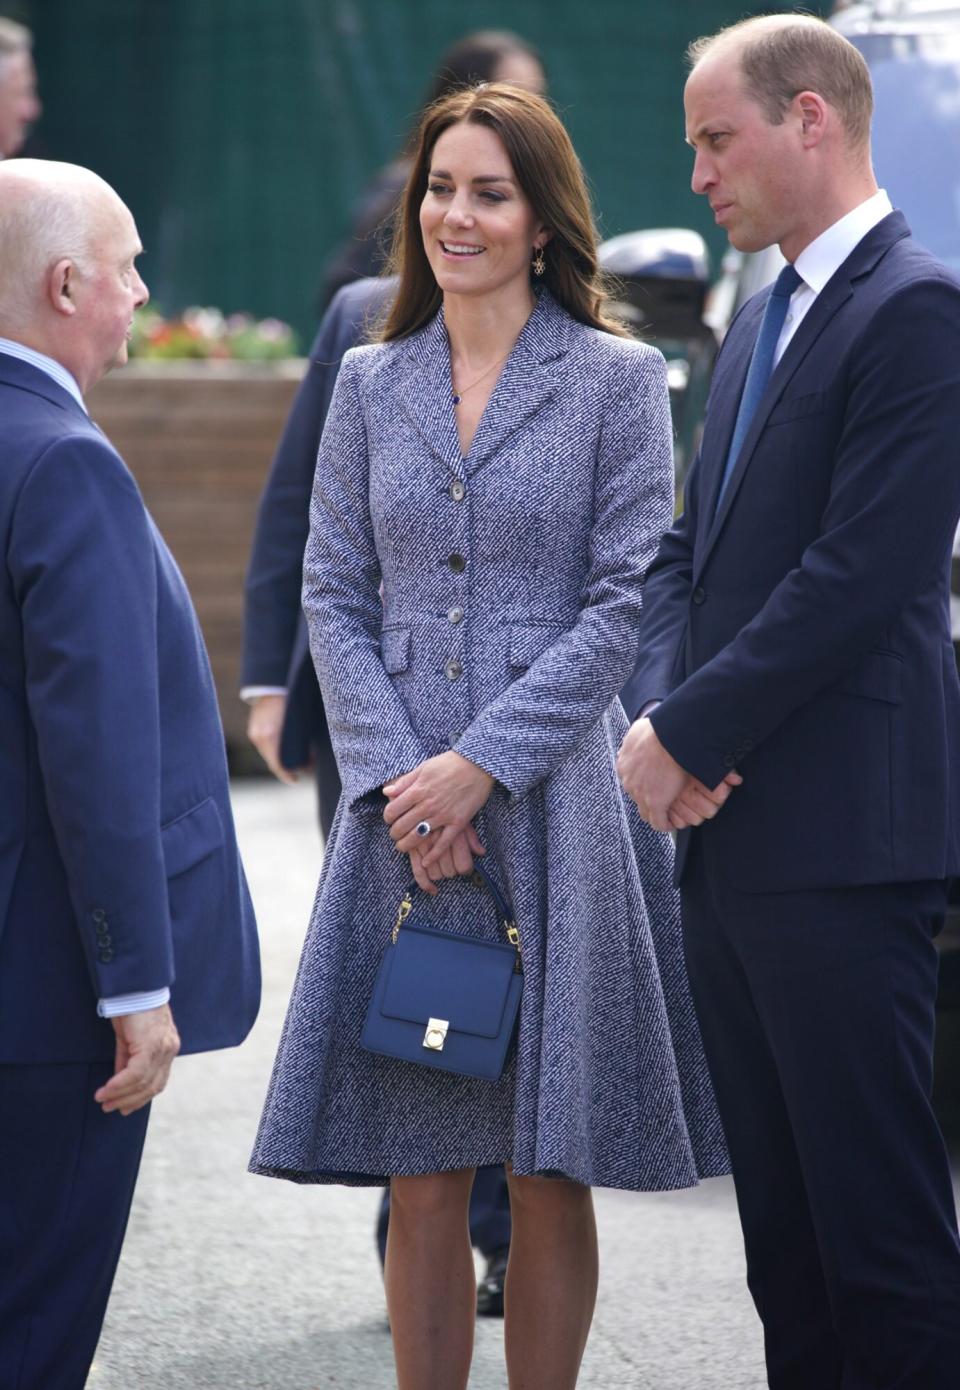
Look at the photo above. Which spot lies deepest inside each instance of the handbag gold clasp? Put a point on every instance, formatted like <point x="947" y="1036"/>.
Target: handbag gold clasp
<point x="403" y="912"/>
<point x="436" y="1034"/>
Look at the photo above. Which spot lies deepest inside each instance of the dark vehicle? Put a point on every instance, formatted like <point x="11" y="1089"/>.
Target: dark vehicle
<point x="661" y="282"/>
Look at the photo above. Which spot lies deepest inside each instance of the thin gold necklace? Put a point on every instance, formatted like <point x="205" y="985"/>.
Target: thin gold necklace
<point x="459" y="395"/>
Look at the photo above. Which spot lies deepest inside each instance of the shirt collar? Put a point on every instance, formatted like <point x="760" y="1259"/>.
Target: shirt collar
<point x="819" y="261"/>
<point x="56" y="370"/>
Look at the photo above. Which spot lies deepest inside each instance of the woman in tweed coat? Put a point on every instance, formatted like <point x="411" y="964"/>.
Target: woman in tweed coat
<point x="493" y="479"/>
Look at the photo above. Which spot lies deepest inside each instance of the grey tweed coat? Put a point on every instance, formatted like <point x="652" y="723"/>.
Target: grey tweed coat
<point x="490" y="604"/>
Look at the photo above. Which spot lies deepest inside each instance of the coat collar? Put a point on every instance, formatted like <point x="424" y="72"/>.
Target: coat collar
<point x="26" y="377"/>
<point x="526" y="383"/>
<point x="861" y="262"/>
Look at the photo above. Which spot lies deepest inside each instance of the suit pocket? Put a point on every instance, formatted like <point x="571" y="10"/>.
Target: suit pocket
<point x="395" y="649"/>
<point x="191" y="837"/>
<point x="878" y="676"/>
<point x="797" y="408"/>
<point x="530" y="640"/>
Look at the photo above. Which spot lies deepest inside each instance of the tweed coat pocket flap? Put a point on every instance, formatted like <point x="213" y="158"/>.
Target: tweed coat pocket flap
<point x="395" y="649"/>
<point x="530" y="640"/>
<point x="470" y="990"/>
<point x="878" y="676"/>
<point x="191" y="837"/>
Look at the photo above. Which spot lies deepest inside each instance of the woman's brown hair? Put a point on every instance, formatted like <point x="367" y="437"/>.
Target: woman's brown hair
<point x="549" y="173"/>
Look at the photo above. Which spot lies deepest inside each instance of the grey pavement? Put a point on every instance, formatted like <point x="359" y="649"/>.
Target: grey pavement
<point x="235" y="1282"/>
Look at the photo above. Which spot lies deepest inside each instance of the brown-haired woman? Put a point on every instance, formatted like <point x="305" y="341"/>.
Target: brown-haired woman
<point x="493" y="479"/>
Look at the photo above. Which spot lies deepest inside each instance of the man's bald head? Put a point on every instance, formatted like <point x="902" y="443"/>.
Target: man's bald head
<point x="48" y="212"/>
<point x="783" y="55"/>
<point x="68" y="283"/>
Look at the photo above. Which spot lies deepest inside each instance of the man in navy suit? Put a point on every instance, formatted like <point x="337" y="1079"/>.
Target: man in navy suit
<point x="126" y="929"/>
<point x="806" y="743"/>
<point x="287" y="724"/>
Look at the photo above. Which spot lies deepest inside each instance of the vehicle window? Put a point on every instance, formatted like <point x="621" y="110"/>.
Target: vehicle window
<point x="916" y="132"/>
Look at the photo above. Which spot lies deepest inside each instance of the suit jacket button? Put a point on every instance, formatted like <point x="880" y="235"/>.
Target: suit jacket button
<point x="455" y="615"/>
<point x="699" y="595"/>
<point x="106" y="955"/>
<point x="457" y="490"/>
<point x="98" y="914"/>
<point x="453" y="669"/>
<point x="457" y="563"/>
<point x="729" y="760"/>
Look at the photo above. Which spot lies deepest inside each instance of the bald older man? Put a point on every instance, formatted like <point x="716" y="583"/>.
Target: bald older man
<point x="126" y="929"/>
<point x="19" y="104"/>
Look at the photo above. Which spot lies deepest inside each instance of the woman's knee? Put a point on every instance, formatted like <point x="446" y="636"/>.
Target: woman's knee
<point x="432" y="1195"/>
<point x="538" y="1194"/>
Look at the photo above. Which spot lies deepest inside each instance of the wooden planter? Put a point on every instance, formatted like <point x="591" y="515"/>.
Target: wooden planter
<point x="199" y="438"/>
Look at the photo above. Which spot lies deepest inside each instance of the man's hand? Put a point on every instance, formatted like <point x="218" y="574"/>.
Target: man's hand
<point x="667" y="797"/>
<point x="147" y="1043"/>
<point x="263" y="731"/>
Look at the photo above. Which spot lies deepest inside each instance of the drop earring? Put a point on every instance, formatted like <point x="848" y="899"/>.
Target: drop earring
<point x="539" y="263"/>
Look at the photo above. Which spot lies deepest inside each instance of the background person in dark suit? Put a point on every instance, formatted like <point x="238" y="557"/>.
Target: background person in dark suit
<point x="795" y="628"/>
<point x="287" y="723"/>
<point x="124" y="913"/>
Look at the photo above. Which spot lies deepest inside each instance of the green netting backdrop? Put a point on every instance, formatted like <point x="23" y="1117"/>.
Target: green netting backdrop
<point x="240" y="132"/>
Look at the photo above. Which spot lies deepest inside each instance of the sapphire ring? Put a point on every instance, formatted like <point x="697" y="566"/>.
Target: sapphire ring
<point x="423" y="829"/>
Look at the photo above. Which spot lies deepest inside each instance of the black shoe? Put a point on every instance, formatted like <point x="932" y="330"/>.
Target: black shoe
<point x="490" y="1288"/>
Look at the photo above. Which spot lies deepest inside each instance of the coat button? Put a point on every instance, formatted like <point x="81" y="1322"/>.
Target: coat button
<point x="455" y="615"/>
<point x="453" y="669"/>
<point x="106" y="955"/>
<point x="457" y="490"/>
<point x="699" y="595"/>
<point x="457" y="563"/>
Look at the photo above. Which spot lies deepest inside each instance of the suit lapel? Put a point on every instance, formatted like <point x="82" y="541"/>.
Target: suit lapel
<point x="834" y="295"/>
<point x="24" y="375"/>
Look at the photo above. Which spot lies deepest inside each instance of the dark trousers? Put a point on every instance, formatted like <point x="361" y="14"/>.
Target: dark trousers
<point x="489" y="1214"/>
<point x="67" y="1173"/>
<point x="817" y="1013"/>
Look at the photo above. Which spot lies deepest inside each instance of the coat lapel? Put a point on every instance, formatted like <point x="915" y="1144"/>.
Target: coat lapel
<point x="835" y="293"/>
<point x="526" y="383"/>
<point x="426" y="395"/>
<point x="528" y="380"/>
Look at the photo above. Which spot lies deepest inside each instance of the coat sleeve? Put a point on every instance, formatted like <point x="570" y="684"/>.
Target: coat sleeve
<point x="82" y="559"/>
<point x="525" y="733"/>
<point x="370" y="729"/>
<point x="885" y="536"/>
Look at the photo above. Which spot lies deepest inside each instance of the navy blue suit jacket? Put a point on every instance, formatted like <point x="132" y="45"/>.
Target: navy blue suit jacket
<point x="800" y="632"/>
<point x="119" y="869"/>
<point x="276" y="650"/>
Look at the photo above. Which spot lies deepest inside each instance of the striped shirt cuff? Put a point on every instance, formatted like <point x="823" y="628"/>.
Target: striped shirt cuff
<point x="133" y="1003"/>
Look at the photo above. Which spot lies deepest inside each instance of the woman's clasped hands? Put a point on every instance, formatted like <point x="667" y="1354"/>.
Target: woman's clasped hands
<point x="446" y="792"/>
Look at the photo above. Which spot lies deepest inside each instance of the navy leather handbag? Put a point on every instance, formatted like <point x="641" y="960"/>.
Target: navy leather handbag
<point x="446" y="1000"/>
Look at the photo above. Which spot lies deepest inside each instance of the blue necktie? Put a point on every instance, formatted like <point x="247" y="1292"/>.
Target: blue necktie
<point x="761" y="364"/>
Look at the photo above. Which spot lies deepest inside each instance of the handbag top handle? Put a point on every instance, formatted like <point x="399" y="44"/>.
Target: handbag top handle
<point x="482" y="880"/>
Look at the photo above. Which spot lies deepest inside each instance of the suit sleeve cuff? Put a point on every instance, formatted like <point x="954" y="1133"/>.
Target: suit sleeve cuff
<point x="133" y="1003"/>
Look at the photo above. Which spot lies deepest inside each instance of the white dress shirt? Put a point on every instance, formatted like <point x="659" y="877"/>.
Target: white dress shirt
<point x="119" y="1003"/>
<point x="821" y="260"/>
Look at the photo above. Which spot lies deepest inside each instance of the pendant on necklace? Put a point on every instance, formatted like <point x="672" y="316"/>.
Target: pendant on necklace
<point x="456" y="398"/>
